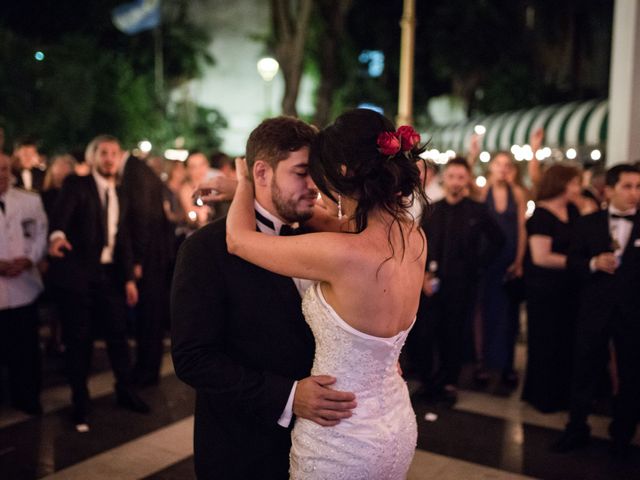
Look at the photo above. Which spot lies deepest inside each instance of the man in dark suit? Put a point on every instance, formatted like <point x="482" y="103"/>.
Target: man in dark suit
<point x="462" y="239"/>
<point x="142" y="190"/>
<point x="606" y="254"/>
<point x="94" y="275"/>
<point x="239" y="337"/>
<point x="27" y="173"/>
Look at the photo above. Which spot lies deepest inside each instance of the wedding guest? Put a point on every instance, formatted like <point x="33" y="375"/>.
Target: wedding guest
<point x="433" y="183"/>
<point x="23" y="234"/>
<point x="593" y="185"/>
<point x="221" y="165"/>
<point x="500" y="310"/>
<point x="198" y="171"/>
<point x="605" y="253"/>
<point x="94" y="275"/>
<point x="61" y="167"/>
<point x="27" y="173"/>
<point x="551" y="290"/>
<point x="463" y="239"/>
<point x="143" y="193"/>
<point x="2" y="152"/>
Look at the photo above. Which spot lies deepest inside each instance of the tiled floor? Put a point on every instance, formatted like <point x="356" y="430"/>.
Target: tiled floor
<point x="490" y="434"/>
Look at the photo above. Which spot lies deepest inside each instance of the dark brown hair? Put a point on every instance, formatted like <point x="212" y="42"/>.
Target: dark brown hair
<point x="460" y="162"/>
<point x="614" y="173"/>
<point x="26" y="141"/>
<point x="555" y="179"/>
<point x="345" y="160"/>
<point x="275" y="138"/>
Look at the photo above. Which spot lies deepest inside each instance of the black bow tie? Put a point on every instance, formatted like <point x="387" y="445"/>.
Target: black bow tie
<point x="285" y="230"/>
<point x="288" y="230"/>
<point x="623" y="217"/>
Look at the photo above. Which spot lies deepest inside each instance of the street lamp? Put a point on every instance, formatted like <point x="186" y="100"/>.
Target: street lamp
<point x="268" y="68"/>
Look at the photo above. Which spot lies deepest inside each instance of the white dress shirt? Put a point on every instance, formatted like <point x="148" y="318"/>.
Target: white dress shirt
<point x="620" y="228"/>
<point x="112" y="214"/>
<point x="620" y="231"/>
<point x="301" y="284"/>
<point x="23" y="233"/>
<point x="27" y="178"/>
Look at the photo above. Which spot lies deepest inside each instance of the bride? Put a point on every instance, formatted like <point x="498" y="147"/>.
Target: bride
<point x="363" y="302"/>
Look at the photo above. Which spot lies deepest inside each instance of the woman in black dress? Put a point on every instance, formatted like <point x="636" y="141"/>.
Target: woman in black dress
<point x="551" y="292"/>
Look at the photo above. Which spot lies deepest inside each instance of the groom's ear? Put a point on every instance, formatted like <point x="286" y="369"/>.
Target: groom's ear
<point x="262" y="173"/>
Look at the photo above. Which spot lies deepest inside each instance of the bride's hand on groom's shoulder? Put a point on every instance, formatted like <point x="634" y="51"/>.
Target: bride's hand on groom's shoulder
<point x="316" y="401"/>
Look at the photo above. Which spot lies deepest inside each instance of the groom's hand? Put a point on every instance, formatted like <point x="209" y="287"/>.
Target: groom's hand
<point x="315" y="401"/>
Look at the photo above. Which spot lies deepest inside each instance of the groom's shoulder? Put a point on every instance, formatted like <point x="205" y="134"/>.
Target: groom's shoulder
<point x="210" y="238"/>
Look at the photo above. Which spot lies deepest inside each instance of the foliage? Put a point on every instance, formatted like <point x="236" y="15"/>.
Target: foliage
<point x="99" y="80"/>
<point x="493" y="54"/>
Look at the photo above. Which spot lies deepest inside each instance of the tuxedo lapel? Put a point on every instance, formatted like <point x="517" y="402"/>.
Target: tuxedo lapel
<point x="603" y="234"/>
<point x="97" y="204"/>
<point x="633" y="237"/>
<point x="285" y="285"/>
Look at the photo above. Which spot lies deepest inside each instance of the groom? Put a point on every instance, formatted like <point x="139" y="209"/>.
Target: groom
<point x="239" y="337"/>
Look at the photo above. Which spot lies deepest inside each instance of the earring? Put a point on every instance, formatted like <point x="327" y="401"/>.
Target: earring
<point x="339" y="206"/>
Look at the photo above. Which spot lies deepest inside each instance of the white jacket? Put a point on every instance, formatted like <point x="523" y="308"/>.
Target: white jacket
<point x="23" y="233"/>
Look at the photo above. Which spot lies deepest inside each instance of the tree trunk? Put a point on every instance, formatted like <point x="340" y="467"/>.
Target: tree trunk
<point x="333" y="14"/>
<point x="290" y="33"/>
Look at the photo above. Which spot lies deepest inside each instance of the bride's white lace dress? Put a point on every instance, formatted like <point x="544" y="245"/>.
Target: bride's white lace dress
<point x="379" y="440"/>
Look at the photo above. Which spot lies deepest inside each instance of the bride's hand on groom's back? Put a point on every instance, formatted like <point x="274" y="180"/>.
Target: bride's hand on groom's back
<point x="316" y="401"/>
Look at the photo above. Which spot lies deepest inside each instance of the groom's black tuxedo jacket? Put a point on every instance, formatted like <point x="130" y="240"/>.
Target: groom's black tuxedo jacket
<point x="239" y="339"/>
<point x="601" y="292"/>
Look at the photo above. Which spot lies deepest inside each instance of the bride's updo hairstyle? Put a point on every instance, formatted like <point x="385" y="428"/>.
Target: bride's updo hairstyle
<point x="362" y="156"/>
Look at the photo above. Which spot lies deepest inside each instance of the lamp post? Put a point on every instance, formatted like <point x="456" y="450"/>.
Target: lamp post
<point x="268" y="68"/>
<point x="405" y="95"/>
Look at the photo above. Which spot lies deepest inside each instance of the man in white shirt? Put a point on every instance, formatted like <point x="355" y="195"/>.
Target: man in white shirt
<point x="23" y="233"/>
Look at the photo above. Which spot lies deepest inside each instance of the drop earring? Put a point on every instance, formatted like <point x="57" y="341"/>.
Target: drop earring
<point x="340" y="206"/>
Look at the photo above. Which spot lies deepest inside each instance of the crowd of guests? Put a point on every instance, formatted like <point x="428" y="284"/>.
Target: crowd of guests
<point x="87" y="247"/>
<point x="575" y="265"/>
<point x="103" y="230"/>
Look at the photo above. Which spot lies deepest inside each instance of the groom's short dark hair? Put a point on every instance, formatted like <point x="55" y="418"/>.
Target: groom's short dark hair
<point x="275" y="138"/>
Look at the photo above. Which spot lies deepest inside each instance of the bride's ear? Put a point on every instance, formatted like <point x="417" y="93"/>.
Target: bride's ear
<point x="262" y="173"/>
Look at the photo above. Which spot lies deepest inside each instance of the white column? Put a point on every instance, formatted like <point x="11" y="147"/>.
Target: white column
<point x="623" y="133"/>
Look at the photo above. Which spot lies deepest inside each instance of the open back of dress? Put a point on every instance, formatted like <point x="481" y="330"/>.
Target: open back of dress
<point x="378" y="441"/>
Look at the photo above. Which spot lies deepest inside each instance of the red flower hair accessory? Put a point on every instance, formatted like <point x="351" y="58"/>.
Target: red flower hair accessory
<point x="388" y="143"/>
<point x="408" y="137"/>
<point x="405" y="139"/>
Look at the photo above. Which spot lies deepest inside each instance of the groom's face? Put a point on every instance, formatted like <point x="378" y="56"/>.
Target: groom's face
<point x="292" y="191"/>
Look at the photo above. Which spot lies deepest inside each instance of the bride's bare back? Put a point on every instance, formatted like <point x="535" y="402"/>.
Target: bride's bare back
<point x="380" y="292"/>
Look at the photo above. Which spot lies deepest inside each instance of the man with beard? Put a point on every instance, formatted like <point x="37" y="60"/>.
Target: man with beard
<point x="239" y="337"/>
<point x="462" y="239"/>
<point x="93" y="271"/>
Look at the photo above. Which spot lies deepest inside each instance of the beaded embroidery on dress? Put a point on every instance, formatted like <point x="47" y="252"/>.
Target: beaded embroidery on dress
<point x="379" y="440"/>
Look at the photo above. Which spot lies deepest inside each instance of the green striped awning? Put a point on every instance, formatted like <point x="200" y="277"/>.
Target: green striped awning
<point x="575" y="124"/>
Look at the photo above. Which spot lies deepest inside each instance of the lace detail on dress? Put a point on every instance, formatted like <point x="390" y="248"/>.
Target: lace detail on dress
<point x="378" y="441"/>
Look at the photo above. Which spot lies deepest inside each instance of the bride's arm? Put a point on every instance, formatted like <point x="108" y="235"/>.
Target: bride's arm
<point x="317" y="256"/>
